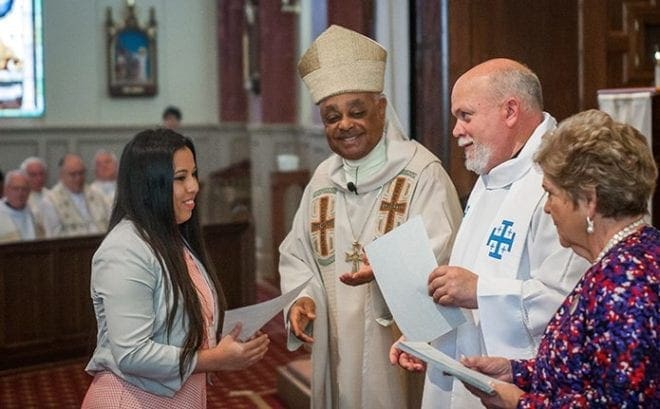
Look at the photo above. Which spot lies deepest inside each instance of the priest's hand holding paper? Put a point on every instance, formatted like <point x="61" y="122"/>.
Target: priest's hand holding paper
<point x="301" y="314"/>
<point x="453" y="287"/>
<point x="405" y="360"/>
<point x="363" y="275"/>
<point x="506" y="394"/>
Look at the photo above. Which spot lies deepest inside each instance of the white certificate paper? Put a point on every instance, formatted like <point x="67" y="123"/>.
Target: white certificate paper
<point x="402" y="261"/>
<point x="432" y="356"/>
<point x="255" y="316"/>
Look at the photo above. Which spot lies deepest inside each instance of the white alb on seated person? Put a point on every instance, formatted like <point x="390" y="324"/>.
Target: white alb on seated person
<point x="105" y="174"/>
<point x="35" y="169"/>
<point x="16" y="219"/>
<point x="72" y="207"/>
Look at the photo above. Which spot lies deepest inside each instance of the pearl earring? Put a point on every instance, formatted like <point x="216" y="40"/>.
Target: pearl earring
<point x="590" y="225"/>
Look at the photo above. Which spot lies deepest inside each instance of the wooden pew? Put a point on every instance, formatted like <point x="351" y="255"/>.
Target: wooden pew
<point x="45" y="306"/>
<point x="231" y="249"/>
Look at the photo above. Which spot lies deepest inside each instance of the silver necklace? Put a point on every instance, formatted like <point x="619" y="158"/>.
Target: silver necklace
<point x="355" y="254"/>
<point x="620" y="235"/>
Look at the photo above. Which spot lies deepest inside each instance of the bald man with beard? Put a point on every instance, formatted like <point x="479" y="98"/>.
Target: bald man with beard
<point x="507" y="269"/>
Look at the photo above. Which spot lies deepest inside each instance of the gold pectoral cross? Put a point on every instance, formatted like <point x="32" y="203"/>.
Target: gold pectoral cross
<point x="354" y="256"/>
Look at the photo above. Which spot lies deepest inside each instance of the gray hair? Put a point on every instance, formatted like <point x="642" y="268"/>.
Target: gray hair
<point x="105" y="152"/>
<point x="30" y="160"/>
<point x="521" y="82"/>
<point x="13" y="173"/>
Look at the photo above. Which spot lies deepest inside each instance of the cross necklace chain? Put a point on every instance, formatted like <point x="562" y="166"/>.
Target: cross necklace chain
<point x="354" y="255"/>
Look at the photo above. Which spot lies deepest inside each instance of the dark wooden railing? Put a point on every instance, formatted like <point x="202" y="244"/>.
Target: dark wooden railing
<point x="45" y="306"/>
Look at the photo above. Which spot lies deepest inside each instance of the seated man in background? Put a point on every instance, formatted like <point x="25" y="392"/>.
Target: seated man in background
<point x="36" y="171"/>
<point x="16" y="219"/>
<point x="105" y="171"/>
<point x="71" y="207"/>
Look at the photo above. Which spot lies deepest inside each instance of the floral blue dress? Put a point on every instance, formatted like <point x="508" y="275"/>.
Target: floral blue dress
<point x="600" y="350"/>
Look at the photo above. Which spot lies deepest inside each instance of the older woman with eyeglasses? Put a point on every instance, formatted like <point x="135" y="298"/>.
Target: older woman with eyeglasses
<point x="601" y="347"/>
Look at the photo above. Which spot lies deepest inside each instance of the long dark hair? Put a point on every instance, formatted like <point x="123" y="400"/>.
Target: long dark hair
<point x="144" y="196"/>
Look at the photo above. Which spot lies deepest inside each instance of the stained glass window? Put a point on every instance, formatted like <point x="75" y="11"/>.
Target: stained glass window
<point x="21" y="59"/>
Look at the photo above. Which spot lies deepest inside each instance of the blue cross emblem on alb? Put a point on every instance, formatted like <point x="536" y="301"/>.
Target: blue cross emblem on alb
<point x="501" y="239"/>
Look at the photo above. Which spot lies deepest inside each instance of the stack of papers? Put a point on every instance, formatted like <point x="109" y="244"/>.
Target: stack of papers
<point x="432" y="356"/>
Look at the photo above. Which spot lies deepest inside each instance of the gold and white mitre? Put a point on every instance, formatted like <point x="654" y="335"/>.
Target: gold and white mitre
<point x="341" y="60"/>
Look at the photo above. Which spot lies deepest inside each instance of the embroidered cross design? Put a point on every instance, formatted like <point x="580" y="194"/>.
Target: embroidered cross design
<point x="393" y="207"/>
<point x="501" y="239"/>
<point x="323" y="225"/>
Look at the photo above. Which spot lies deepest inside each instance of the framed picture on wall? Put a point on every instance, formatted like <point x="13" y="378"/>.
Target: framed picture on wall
<point x="132" y="55"/>
<point x="21" y="59"/>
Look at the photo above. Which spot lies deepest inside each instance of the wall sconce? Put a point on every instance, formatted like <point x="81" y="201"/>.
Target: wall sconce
<point x="290" y="6"/>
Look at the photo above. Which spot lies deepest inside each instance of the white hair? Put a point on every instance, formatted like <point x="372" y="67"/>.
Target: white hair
<point x="105" y="152"/>
<point x="32" y="159"/>
<point x="13" y="173"/>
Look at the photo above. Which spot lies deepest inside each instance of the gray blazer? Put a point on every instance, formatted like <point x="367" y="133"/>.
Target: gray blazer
<point x="130" y="300"/>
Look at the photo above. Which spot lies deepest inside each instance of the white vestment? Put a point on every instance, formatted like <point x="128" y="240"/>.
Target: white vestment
<point x="524" y="273"/>
<point x="34" y="202"/>
<point x="107" y="188"/>
<point x="16" y="225"/>
<point x="352" y="335"/>
<point x="69" y="214"/>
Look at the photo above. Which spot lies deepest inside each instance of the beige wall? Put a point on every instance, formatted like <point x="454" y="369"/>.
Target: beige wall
<point x="81" y="116"/>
